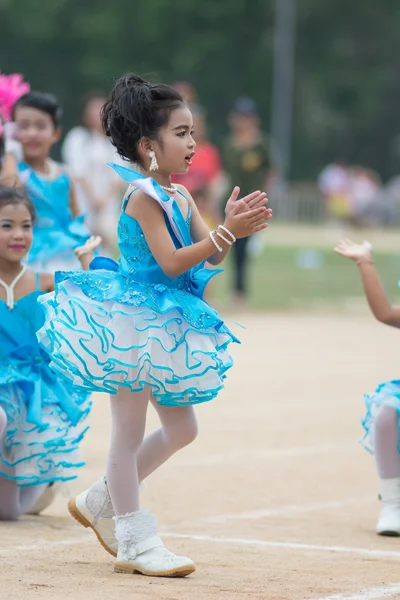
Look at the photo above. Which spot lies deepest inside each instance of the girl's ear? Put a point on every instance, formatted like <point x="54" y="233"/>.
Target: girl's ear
<point x="145" y="146"/>
<point x="56" y="135"/>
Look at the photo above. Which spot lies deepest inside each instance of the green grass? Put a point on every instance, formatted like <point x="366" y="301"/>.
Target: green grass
<point x="278" y="281"/>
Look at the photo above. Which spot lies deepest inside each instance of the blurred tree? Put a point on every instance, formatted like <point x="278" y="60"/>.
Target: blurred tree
<point x="347" y="66"/>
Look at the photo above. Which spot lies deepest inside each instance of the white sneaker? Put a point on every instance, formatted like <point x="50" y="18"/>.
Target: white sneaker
<point x="389" y="518"/>
<point x="46" y="498"/>
<point x="93" y="508"/>
<point x="140" y="549"/>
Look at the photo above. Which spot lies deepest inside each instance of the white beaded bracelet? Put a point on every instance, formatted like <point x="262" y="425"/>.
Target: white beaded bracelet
<point x="228" y="232"/>
<point x="224" y="238"/>
<point x="218" y="247"/>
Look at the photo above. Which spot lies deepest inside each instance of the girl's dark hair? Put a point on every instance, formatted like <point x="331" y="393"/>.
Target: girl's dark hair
<point x="137" y="109"/>
<point x="46" y="103"/>
<point x="15" y="197"/>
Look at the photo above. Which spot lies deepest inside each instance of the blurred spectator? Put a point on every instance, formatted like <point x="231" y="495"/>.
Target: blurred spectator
<point x="334" y="184"/>
<point x="187" y="91"/>
<point x="248" y="164"/>
<point x="86" y="150"/>
<point x="204" y="176"/>
<point x="364" y="190"/>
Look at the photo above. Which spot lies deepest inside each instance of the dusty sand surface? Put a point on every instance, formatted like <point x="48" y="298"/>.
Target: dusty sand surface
<point x="275" y="500"/>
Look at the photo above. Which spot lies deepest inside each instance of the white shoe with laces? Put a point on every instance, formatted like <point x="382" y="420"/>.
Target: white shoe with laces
<point x="141" y="550"/>
<point x="389" y="518"/>
<point x="93" y="508"/>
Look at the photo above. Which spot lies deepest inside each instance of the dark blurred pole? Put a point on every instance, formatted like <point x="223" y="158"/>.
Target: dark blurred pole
<point x="283" y="79"/>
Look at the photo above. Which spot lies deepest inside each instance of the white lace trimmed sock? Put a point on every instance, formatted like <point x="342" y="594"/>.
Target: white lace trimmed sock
<point x="136" y="533"/>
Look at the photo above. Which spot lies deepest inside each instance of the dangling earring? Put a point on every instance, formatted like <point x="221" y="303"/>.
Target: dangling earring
<point x="154" y="163"/>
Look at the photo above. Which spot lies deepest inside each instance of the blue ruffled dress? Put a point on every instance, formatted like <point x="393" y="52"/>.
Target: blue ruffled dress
<point x="56" y="233"/>
<point x="386" y="394"/>
<point x="129" y="324"/>
<point x="45" y="415"/>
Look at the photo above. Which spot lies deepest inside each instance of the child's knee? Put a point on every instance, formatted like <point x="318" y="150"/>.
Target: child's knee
<point x="187" y="432"/>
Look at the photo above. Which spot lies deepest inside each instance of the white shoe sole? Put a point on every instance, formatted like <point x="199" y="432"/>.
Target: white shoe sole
<point x="82" y="520"/>
<point x="132" y="570"/>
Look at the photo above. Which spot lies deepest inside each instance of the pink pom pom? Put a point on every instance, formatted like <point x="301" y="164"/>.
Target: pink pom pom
<point x="12" y="87"/>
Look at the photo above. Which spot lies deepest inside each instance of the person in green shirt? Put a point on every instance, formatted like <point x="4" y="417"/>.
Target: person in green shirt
<point x="247" y="162"/>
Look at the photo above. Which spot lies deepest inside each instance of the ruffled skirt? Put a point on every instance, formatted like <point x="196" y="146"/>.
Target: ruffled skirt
<point x="386" y="394"/>
<point x="103" y="331"/>
<point x="44" y="447"/>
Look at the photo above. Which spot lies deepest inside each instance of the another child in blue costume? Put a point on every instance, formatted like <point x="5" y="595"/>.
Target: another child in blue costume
<point x="140" y="329"/>
<point x="381" y="422"/>
<point x="60" y="227"/>
<point x="42" y="418"/>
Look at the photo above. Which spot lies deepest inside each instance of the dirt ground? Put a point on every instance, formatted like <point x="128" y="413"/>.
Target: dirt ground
<point x="274" y="501"/>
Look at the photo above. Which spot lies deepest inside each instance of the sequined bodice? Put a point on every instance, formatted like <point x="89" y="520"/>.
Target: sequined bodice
<point x="18" y="326"/>
<point x="50" y="198"/>
<point x="137" y="262"/>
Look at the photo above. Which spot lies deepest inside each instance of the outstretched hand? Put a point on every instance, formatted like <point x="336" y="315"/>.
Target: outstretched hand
<point x="354" y="251"/>
<point x="90" y="245"/>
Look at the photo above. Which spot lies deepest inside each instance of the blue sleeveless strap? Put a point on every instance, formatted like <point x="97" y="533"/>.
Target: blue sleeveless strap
<point x="126" y="199"/>
<point x="154" y="190"/>
<point x="37" y="282"/>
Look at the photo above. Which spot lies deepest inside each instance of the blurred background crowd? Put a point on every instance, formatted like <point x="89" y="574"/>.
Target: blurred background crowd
<point x="297" y="97"/>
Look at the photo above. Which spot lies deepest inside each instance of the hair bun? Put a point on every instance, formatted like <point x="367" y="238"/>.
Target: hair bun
<point x="137" y="109"/>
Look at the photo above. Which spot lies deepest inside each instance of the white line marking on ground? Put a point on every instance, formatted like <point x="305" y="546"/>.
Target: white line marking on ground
<point x="390" y="591"/>
<point x="282" y="511"/>
<point x="285" y="545"/>
<point x="241" y="457"/>
<point x="42" y="544"/>
<point x="88" y="539"/>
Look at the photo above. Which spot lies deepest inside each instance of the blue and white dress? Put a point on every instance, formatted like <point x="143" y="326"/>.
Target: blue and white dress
<point x="45" y="414"/>
<point x="130" y="325"/>
<point x="56" y="233"/>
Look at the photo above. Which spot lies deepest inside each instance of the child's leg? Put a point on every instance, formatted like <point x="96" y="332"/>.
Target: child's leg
<point x="3" y="421"/>
<point x="28" y="496"/>
<point x="140" y="550"/>
<point x="128" y="415"/>
<point x="9" y="500"/>
<point x="386" y="443"/>
<point x="14" y="500"/>
<point x="179" y="428"/>
<point x="96" y="506"/>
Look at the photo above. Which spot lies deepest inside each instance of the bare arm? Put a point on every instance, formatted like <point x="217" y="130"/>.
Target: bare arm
<point x="9" y="172"/>
<point x="174" y="261"/>
<point x="373" y="288"/>
<point x="73" y="201"/>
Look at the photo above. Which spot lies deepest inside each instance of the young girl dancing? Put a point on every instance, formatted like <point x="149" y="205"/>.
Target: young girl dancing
<point x="140" y="329"/>
<point x="41" y="417"/>
<point x="60" y="227"/>
<point x="381" y="422"/>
